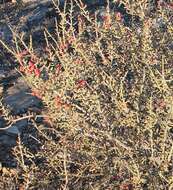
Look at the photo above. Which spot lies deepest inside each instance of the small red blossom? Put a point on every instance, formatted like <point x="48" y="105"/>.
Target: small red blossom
<point x="153" y="60"/>
<point x="170" y="5"/>
<point x="37" y="72"/>
<point x="28" y="71"/>
<point x="81" y="83"/>
<point x="107" y="21"/>
<point x="32" y="66"/>
<point x="71" y="39"/>
<point x="126" y="187"/>
<point x="37" y="94"/>
<point x="47" y="49"/>
<point x="23" y="53"/>
<point x="161" y="104"/>
<point x="58" y="69"/>
<point x="47" y="121"/>
<point x="67" y="106"/>
<point x="34" y="58"/>
<point x="118" y="16"/>
<point x="63" y="46"/>
<point x="78" y="61"/>
<point x="107" y="26"/>
<point x="106" y="18"/>
<point x="31" y="63"/>
<point x="31" y="69"/>
<point x="22" y="69"/>
<point x="81" y="23"/>
<point x="161" y="3"/>
<point x="116" y="177"/>
<point x="58" y="101"/>
<point x="61" y="52"/>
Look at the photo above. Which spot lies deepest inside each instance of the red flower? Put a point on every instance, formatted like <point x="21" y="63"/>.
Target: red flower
<point x="22" y="69"/>
<point x="160" y="104"/>
<point x="23" y="53"/>
<point x="81" y="23"/>
<point x="107" y="26"/>
<point x="126" y="187"/>
<point x="107" y="21"/>
<point x="71" y="39"/>
<point x="58" y="101"/>
<point x="47" y="121"/>
<point x="36" y="94"/>
<point x="37" y="72"/>
<point x="31" y="63"/>
<point x="81" y="83"/>
<point x="31" y="69"/>
<point x="161" y="3"/>
<point x="67" y="106"/>
<point x="32" y="66"/>
<point x="47" y="49"/>
<point x="116" y="177"/>
<point x="78" y="61"/>
<point x="63" y="47"/>
<point x="170" y="5"/>
<point x="58" y="69"/>
<point x="118" y="16"/>
<point x="106" y="18"/>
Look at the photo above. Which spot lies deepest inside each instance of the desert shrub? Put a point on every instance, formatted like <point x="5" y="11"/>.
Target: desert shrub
<point x="107" y="95"/>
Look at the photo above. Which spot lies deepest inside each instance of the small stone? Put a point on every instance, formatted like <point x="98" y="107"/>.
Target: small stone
<point x="95" y="2"/>
<point x="114" y="64"/>
<point x="6" y="140"/>
<point x="2" y="74"/>
<point x="2" y="122"/>
<point x="12" y="131"/>
<point x="170" y="46"/>
<point x="18" y="98"/>
<point x="21" y="125"/>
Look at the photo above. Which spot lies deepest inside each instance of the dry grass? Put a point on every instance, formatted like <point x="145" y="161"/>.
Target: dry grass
<point x="107" y="92"/>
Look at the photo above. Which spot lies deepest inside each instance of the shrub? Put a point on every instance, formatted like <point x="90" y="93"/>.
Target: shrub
<point x="107" y="95"/>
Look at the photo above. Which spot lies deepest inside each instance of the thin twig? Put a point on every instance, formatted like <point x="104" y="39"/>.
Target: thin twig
<point x="16" y="120"/>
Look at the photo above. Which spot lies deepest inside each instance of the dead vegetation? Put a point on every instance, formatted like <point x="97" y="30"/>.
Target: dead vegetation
<point x="107" y="95"/>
